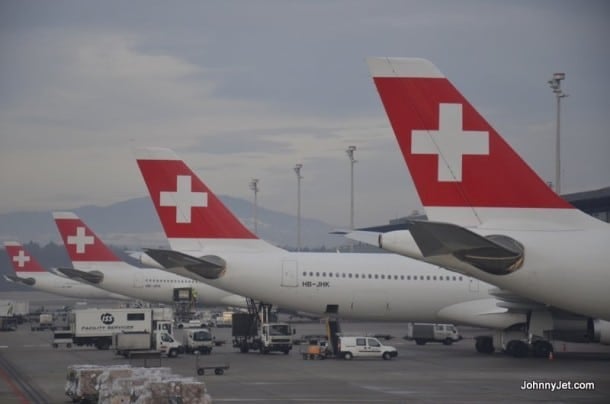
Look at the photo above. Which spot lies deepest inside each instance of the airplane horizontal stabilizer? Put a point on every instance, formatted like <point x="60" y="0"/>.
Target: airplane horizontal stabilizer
<point x="17" y="279"/>
<point x="494" y="254"/>
<point x="208" y="266"/>
<point x="88" y="276"/>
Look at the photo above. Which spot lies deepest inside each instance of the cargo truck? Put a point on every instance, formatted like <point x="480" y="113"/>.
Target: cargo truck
<point x="422" y="333"/>
<point x="95" y="327"/>
<point x="158" y="341"/>
<point x="250" y="334"/>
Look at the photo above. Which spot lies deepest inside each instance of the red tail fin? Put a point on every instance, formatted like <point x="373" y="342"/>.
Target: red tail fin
<point x="20" y="259"/>
<point x="186" y="206"/>
<point x="455" y="157"/>
<point x="80" y="242"/>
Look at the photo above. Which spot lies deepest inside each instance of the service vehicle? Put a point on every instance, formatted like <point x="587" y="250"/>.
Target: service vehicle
<point x="189" y="324"/>
<point x="249" y="333"/>
<point x="45" y="322"/>
<point x="160" y="341"/>
<point x="95" y="327"/>
<point x="224" y="319"/>
<point x="198" y="340"/>
<point x="365" y="347"/>
<point x="422" y="333"/>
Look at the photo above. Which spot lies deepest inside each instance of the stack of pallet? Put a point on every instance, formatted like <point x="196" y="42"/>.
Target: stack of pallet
<point x="125" y="385"/>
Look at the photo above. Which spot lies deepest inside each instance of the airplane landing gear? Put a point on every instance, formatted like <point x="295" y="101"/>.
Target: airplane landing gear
<point x="484" y="345"/>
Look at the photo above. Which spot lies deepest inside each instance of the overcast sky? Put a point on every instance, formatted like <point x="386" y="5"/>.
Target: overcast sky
<point x="244" y="89"/>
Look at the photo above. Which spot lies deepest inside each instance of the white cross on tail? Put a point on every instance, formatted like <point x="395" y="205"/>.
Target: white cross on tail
<point x="80" y="240"/>
<point x="21" y="259"/>
<point x="450" y="142"/>
<point x="184" y="199"/>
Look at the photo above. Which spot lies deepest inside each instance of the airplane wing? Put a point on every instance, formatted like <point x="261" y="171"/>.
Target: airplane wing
<point x="88" y="276"/>
<point x="208" y="266"/>
<point x="495" y="254"/>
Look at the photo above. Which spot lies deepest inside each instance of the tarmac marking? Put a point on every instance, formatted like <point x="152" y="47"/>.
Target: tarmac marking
<point x="13" y="386"/>
<point x="3" y="346"/>
<point x="303" y="399"/>
<point x="387" y="390"/>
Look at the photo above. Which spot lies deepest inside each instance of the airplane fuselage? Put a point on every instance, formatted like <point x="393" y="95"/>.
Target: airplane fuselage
<point x="381" y="287"/>
<point x="51" y="283"/>
<point x="154" y="285"/>
<point x="567" y="269"/>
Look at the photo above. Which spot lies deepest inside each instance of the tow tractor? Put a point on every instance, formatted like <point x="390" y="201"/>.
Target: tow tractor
<point x="325" y="346"/>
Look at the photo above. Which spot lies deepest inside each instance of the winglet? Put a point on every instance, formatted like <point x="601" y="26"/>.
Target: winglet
<point x="193" y="217"/>
<point x="456" y="158"/>
<point x="186" y="206"/>
<point x="82" y="244"/>
<point x="20" y="259"/>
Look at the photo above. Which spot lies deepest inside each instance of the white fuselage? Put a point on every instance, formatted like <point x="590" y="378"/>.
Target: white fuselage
<point x="382" y="287"/>
<point x="154" y="285"/>
<point x="59" y="285"/>
<point x="567" y="269"/>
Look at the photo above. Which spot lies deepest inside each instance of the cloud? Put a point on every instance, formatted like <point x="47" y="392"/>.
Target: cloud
<point x="250" y="90"/>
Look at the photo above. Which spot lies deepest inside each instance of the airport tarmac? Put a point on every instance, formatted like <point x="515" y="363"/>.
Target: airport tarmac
<point x="430" y="373"/>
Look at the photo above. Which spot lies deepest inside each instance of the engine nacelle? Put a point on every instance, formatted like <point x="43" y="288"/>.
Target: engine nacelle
<point x="572" y="329"/>
<point x="601" y="331"/>
<point x="581" y="329"/>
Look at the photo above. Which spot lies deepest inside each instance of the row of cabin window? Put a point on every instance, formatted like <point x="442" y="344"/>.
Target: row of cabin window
<point x="171" y="281"/>
<point x="389" y="277"/>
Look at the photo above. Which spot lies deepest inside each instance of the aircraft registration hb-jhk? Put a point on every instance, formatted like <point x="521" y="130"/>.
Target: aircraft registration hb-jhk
<point x="96" y="264"/>
<point x="210" y="244"/>
<point x="491" y="216"/>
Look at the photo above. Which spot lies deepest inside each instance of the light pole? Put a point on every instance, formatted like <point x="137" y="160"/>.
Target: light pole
<point x="555" y="84"/>
<point x="350" y="154"/>
<point x="297" y="170"/>
<point x="254" y="187"/>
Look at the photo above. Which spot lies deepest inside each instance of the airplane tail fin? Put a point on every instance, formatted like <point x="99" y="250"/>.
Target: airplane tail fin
<point x="20" y="259"/>
<point x="83" y="245"/>
<point x="192" y="216"/>
<point x="464" y="171"/>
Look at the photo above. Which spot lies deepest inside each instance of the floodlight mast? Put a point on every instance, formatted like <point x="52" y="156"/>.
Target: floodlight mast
<point x="555" y="84"/>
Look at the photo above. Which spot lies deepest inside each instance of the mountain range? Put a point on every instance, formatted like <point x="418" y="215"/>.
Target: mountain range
<point x="133" y="223"/>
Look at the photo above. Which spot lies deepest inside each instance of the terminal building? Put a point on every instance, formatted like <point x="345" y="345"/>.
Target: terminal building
<point x="595" y="203"/>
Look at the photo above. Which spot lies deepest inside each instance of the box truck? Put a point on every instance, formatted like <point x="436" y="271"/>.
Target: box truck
<point x="95" y="327"/>
<point x="422" y="333"/>
<point x="159" y="341"/>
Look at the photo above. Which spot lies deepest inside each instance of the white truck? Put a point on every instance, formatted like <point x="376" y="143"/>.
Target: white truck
<point x="45" y="322"/>
<point x="422" y="333"/>
<point x="95" y="327"/>
<point x="198" y="340"/>
<point x="248" y="333"/>
<point x="364" y="347"/>
<point x="158" y="341"/>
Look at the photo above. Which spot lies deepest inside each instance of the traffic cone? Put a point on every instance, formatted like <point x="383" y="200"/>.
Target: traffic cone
<point x="551" y="357"/>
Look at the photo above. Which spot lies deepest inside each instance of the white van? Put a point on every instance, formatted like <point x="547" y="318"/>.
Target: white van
<point x="365" y="347"/>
